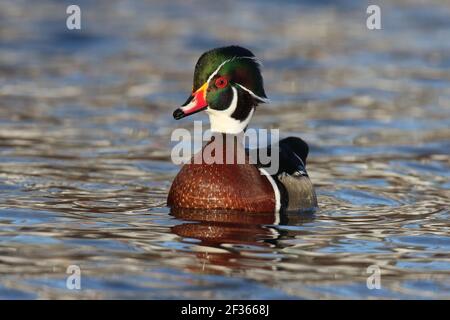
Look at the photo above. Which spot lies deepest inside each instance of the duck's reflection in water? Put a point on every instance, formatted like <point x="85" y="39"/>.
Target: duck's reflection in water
<point x="230" y="239"/>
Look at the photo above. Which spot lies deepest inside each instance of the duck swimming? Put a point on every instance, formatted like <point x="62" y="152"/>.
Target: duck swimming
<point x="228" y="86"/>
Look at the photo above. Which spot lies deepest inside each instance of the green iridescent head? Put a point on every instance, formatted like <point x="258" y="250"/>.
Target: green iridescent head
<point x="227" y="84"/>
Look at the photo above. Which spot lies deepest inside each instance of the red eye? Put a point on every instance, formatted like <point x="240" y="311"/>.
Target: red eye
<point x="221" y="82"/>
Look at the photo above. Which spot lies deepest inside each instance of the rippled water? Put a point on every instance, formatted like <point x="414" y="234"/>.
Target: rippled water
<point x="85" y="124"/>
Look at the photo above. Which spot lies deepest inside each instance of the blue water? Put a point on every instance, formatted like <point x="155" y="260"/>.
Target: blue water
<point x="85" y="125"/>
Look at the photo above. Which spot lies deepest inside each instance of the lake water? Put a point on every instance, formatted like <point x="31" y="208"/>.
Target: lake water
<point x="85" y="124"/>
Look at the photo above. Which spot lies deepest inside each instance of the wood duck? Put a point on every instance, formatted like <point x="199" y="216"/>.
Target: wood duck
<point x="228" y="85"/>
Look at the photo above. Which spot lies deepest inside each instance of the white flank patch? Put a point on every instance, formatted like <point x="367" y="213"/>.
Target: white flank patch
<point x="275" y="190"/>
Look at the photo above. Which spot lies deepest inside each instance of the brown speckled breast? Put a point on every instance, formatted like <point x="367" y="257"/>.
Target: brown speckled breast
<point x="221" y="186"/>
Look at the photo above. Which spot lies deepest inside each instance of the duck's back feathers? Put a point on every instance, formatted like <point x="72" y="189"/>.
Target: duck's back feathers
<point x="297" y="191"/>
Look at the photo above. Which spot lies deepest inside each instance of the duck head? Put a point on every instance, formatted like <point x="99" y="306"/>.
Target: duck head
<point x="228" y="85"/>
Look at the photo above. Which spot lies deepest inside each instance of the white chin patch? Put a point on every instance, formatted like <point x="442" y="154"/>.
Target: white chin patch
<point x="221" y="120"/>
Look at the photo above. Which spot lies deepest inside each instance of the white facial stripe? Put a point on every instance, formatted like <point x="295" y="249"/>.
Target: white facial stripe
<point x="253" y="94"/>
<point x="275" y="189"/>
<point x="265" y="100"/>
<point x="189" y="106"/>
<point x="221" y="120"/>
<point x="226" y="61"/>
